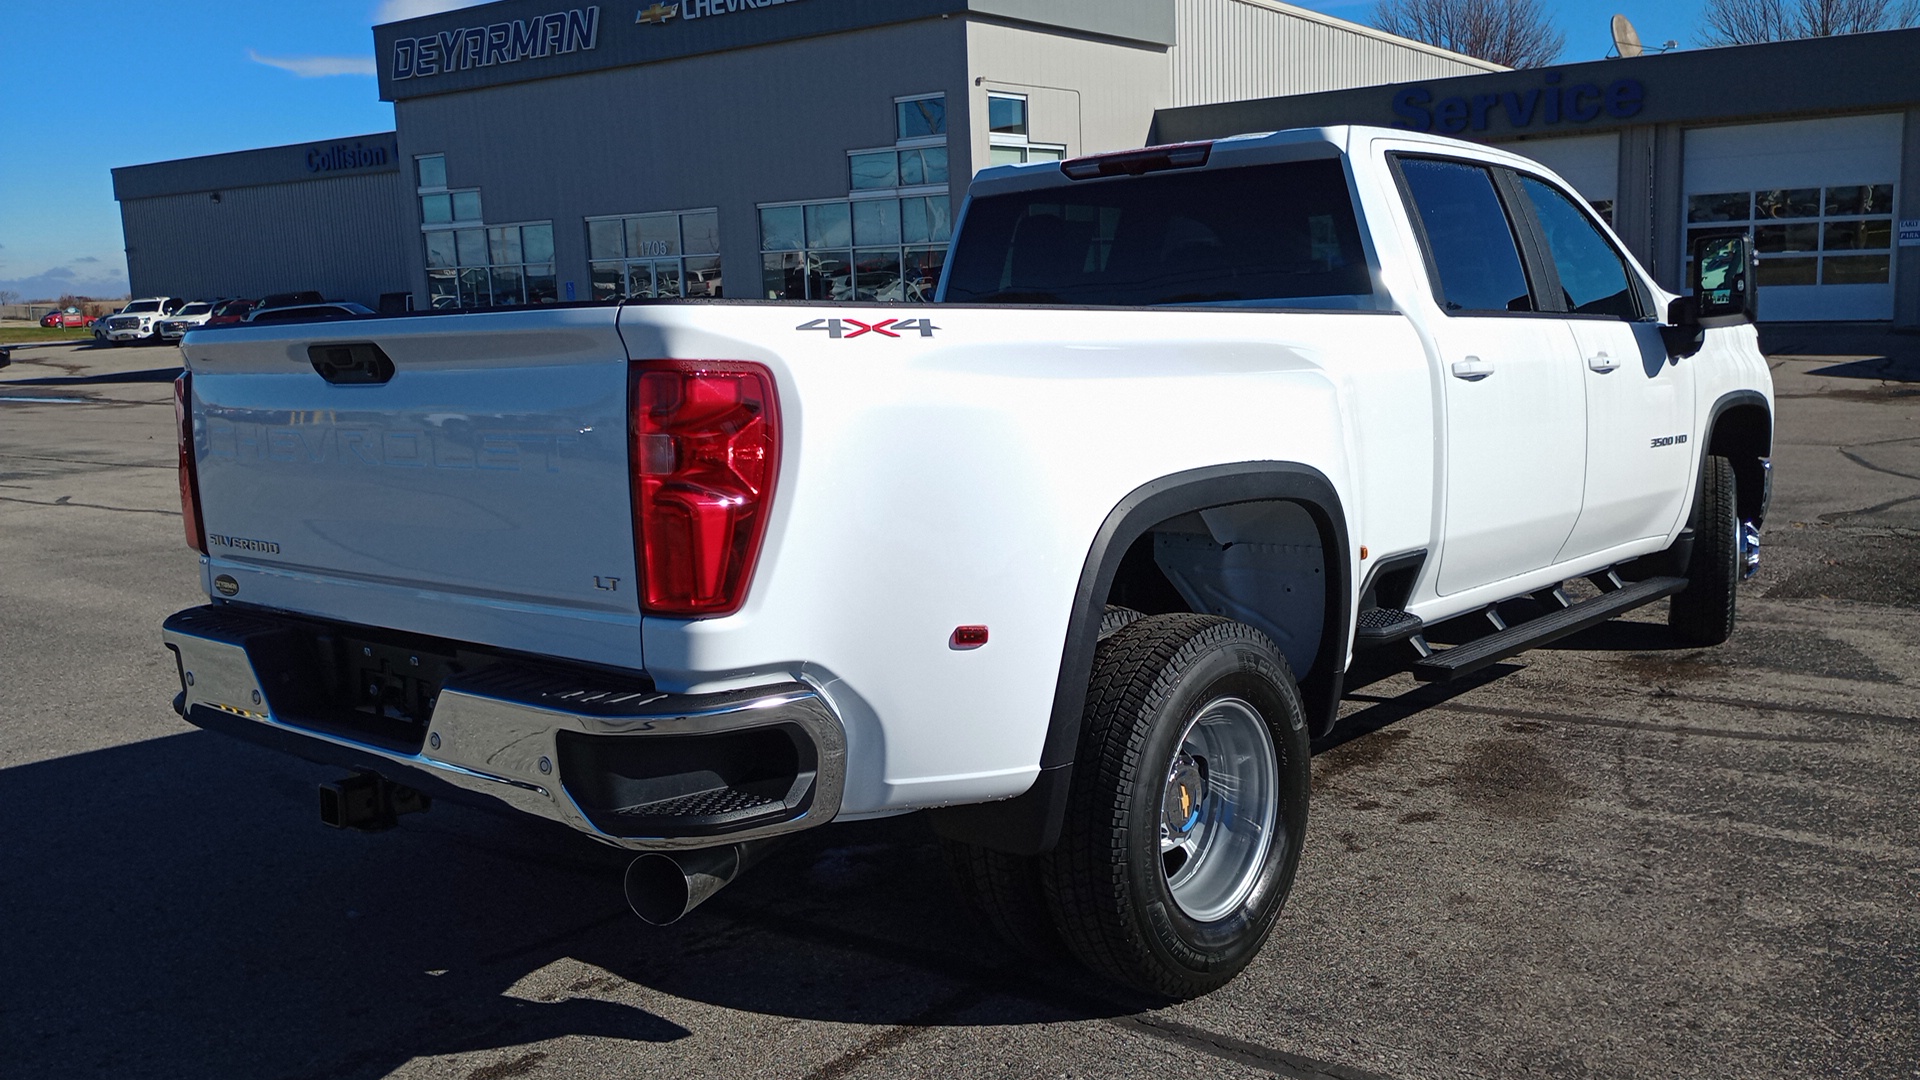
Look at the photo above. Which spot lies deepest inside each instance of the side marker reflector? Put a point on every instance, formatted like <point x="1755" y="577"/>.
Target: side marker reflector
<point x="969" y="637"/>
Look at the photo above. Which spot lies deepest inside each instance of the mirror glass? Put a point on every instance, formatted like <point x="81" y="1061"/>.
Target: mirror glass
<point x="1722" y="281"/>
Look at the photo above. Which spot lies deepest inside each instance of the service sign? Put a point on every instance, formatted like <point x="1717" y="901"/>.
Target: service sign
<point x="467" y="47"/>
<point x="1910" y="232"/>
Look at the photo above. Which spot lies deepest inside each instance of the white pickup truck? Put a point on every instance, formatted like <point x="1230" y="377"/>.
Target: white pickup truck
<point x="1076" y="557"/>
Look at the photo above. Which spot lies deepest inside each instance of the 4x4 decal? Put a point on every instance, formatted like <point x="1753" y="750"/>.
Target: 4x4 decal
<point x="839" y="329"/>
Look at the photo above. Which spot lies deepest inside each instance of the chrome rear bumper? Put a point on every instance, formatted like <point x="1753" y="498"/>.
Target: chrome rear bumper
<point x="573" y="746"/>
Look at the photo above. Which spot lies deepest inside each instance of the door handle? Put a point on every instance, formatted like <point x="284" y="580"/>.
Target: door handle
<point x="1602" y="363"/>
<point x="1472" y="369"/>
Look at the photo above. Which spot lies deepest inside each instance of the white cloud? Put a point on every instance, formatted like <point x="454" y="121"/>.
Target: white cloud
<point x="396" y="10"/>
<point x="316" y="67"/>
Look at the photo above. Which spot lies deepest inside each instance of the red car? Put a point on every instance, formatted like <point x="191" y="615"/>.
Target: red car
<point x="72" y="316"/>
<point x="229" y="311"/>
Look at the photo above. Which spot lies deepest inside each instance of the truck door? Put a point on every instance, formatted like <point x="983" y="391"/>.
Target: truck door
<point x="1515" y="414"/>
<point x="1639" y="401"/>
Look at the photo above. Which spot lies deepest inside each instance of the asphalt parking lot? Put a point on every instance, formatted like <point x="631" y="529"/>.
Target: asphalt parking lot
<point x="1612" y="858"/>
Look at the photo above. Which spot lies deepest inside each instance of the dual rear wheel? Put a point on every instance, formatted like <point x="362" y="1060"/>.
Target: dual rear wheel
<point x="1185" y="815"/>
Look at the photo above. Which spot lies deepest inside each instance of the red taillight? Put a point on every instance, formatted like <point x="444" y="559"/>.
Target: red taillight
<point x="189" y="478"/>
<point x="706" y="449"/>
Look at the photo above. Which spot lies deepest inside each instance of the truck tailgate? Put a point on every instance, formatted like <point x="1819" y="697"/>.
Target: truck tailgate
<point x="481" y="494"/>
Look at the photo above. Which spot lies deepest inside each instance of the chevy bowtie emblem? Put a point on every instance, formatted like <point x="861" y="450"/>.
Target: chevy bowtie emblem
<point x="658" y="13"/>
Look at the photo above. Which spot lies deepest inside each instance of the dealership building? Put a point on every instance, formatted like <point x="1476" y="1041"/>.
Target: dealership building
<point x="818" y="149"/>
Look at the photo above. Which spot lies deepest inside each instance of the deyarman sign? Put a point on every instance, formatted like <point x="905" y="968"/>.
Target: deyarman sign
<point x="468" y="47"/>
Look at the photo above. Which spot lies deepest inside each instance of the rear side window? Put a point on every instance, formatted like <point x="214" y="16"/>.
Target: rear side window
<point x="1274" y="234"/>
<point x="1592" y="273"/>
<point x="1470" y="242"/>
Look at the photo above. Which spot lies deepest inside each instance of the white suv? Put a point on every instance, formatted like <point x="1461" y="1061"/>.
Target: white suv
<point x="137" y="321"/>
<point x="175" y="326"/>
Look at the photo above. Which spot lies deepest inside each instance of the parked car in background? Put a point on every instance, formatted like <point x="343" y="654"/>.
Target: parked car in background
<point x="332" y="309"/>
<point x="68" y="317"/>
<point x="289" y="299"/>
<point x="139" y="320"/>
<point x="228" y="312"/>
<point x="100" y="328"/>
<point x="195" y="314"/>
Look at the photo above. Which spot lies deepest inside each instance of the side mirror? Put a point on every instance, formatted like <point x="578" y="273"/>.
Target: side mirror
<point x="1725" y="283"/>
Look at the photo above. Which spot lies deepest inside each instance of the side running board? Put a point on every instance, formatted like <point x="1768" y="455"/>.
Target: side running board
<point x="1474" y="655"/>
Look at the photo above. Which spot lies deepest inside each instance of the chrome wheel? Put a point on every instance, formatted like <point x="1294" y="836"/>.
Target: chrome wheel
<point x="1217" y="811"/>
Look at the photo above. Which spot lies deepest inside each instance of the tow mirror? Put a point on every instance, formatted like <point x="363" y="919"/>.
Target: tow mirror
<point x="1725" y="284"/>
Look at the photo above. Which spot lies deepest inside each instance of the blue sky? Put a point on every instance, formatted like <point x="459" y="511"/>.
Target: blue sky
<point x="104" y="83"/>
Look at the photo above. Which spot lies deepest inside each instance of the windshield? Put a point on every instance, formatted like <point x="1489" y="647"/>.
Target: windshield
<point x="139" y="306"/>
<point x="1257" y="233"/>
<point x="195" y="309"/>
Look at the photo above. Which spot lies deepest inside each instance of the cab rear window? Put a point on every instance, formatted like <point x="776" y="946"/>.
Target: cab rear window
<point x="1279" y="235"/>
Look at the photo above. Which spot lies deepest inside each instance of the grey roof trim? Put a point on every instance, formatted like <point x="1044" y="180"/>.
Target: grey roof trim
<point x="291" y="163"/>
<point x="1846" y="73"/>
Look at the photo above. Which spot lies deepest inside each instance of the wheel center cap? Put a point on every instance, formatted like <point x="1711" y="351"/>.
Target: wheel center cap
<point x="1186" y="790"/>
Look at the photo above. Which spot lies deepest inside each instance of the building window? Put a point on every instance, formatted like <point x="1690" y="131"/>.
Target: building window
<point x="649" y="256"/>
<point x="1007" y="135"/>
<point x="1807" y="236"/>
<point x="870" y="170"/>
<point x="922" y="117"/>
<point x="438" y="204"/>
<point x="868" y="250"/>
<point x="501" y="266"/>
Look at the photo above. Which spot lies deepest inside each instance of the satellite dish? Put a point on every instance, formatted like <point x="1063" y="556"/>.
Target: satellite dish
<point x="1625" y="38"/>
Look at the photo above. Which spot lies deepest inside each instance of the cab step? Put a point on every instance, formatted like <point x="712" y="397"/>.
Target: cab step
<point x="1379" y="627"/>
<point x="1463" y="659"/>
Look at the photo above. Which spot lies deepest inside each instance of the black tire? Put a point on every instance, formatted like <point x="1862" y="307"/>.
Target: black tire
<point x="1702" y="613"/>
<point x="1115" y="617"/>
<point x="1107" y="882"/>
<point x="1004" y="892"/>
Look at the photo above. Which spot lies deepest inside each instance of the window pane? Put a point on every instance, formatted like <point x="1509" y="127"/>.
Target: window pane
<point x="653" y="236"/>
<point x="1855" y="270"/>
<point x="443" y="289"/>
<point x="432" y="171"/>
<point x="1771" y="238"/>
<point x="472" y="246"/>
<point x="700" y="233"/>
<point x="540" y="284"/>
<point x="536" y="243"/>
<point x="829" y="275"/>
<point x="875" y="170"/>
<point x="1786" y="203"/>
<point x="1172" y="238"/>
<point x="1603" y="207"/>
<point x="436" y="209"/>
<point x="913" y="168"/>
<point x="921" y="274"/>
<point x="504" y="245"/>
<point x="1592" y="274"/>
<point x="640" y="280"/>
<point x="1471" y="244"/>
<point x="782" y="277"/>
<point x="1007" y="115"/>
<point x="466" y="206"/>
<point x="1045" y="153"/>
<point x="781" y="229"/>
<point x="666" y="279"/>
<point x="703" y="277"/>
<point x="476" y="289"/>
<point x="829" y="225"/>
<point x="506" y="285"/>
<point x="940" y="219"/>
<point x="934" y="160"/>
<point x="1865" y="199"/>
<point x="877" y="275"/>
<point x="608" y="283"/>
<point x="1732" y="206"/>
<point x="605" y="240"/>
<point x="1877" y="233"/>
<point x="440" y="249"/>
<point x="922" y="118"/>
<point x="1005" y="155"/>
<point x="1789" y="271"/>
<point x="915" y="226"/>
<point x="876" y="222"/>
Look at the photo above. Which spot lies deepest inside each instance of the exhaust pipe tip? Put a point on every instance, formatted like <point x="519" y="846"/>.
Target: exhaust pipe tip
<point x="663" y="888"/>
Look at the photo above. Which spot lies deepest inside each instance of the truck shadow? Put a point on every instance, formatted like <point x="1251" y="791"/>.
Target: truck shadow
<point x="175" y="909"/>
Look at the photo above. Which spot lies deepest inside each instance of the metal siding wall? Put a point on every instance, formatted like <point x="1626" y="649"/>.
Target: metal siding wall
<point x="346" y="237"/>
<point x="1231" y="50"/>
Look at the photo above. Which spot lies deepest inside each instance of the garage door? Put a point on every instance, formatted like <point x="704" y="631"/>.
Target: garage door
<point x="1817" y="196"/>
